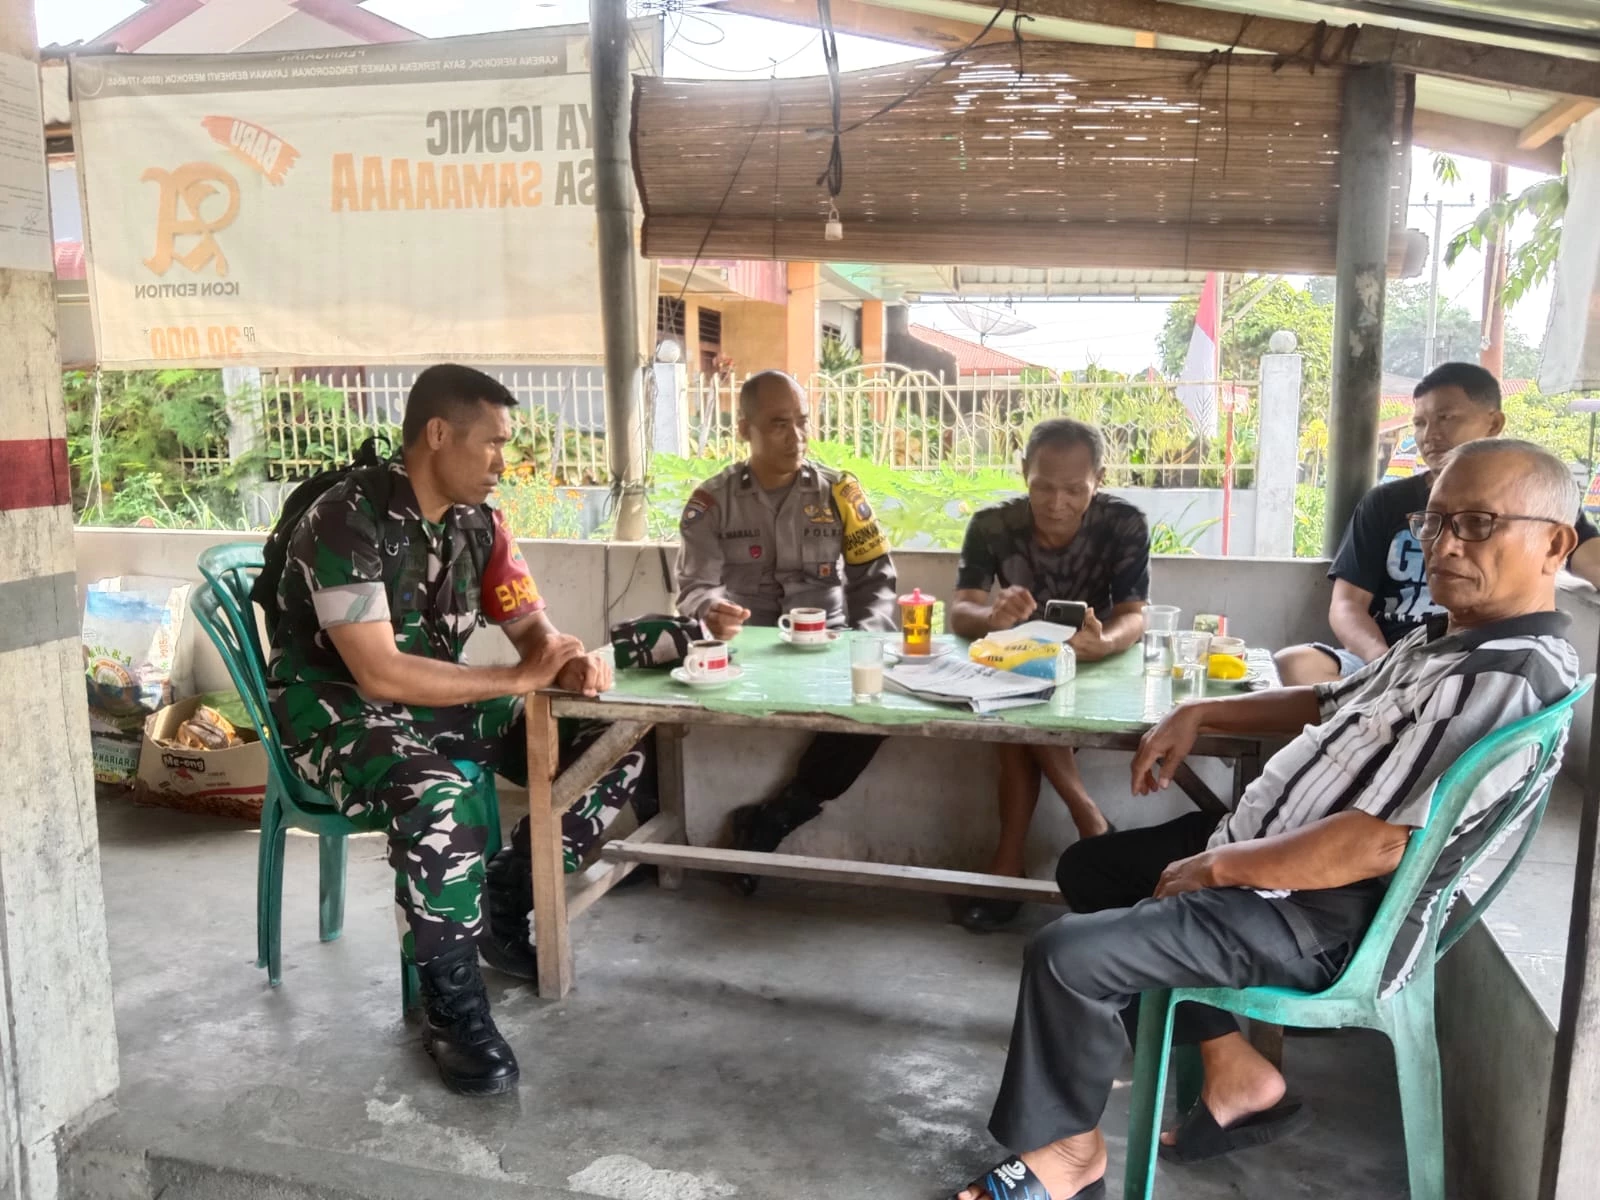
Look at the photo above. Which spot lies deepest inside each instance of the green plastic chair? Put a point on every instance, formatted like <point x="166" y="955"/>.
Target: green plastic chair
<point x="1405" y="1017"/>
<point x="223" y="608"/>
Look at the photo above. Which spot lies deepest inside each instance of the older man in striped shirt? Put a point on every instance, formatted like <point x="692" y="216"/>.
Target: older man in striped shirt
<point x="1282" y="890"/>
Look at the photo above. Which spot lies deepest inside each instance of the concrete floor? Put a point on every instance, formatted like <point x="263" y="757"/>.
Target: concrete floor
<point x="806" y="1042"/>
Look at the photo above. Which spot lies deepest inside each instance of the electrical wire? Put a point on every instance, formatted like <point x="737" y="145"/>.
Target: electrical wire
<point x="772" y="63"/>
<point x="722" y="203"/>
<point x="833" y="171"/>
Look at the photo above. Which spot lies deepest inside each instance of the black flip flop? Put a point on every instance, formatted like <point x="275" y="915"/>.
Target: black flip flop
<point x="1200" y="1137"/>
<point x="1012" y="1180"/>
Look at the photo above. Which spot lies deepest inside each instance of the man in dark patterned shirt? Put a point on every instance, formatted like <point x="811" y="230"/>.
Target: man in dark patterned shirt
<point x="1064" y="540"/>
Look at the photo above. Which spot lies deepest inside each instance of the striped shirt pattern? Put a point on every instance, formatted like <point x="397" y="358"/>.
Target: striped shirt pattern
<point x="1392" y="729"/>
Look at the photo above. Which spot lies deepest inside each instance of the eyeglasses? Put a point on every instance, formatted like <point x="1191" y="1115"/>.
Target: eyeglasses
<point x="1470" y="525"/>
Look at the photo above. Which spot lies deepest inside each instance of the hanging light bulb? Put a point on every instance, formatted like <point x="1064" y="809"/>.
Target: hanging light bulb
<point x="833" y="230"/>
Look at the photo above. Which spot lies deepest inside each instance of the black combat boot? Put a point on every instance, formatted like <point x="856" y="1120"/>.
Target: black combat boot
<point x="473" y="1059"/>
<point x="506" y="943"/>
<point x="762" y="827"/>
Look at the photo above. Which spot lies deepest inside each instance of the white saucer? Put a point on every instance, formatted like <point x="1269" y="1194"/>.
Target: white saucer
<point x="788" y="639"/>
<point x="892" y="652"/>
<point x="1251" y="682"/>
<point x="734" y="674"/>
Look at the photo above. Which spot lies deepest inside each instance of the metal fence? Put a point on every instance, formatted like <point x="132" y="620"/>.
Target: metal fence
<point x="320" y="418"/>
<point x="914" y="421"/>
<point x="899" y="418"/>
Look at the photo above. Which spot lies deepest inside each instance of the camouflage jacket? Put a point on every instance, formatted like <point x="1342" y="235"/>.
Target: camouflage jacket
<point x="820" y="547"/>
<point x="349" y="563"/>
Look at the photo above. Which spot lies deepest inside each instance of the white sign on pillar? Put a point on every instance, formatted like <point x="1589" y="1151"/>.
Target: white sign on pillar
<point x="1278" y="454"/>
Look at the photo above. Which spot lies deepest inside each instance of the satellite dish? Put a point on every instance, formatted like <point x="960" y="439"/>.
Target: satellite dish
<point x="985" y="320"/>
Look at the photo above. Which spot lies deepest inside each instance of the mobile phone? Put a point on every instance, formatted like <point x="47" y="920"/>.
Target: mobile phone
<point x="1066" y="612"/>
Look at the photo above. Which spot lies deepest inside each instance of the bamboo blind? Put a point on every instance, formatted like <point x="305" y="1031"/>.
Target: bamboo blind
<point x="1095" y="157"/>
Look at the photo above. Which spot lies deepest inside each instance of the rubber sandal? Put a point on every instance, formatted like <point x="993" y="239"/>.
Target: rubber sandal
<point x="1200" y="1138"/>
<point x="1012" y="1180"/>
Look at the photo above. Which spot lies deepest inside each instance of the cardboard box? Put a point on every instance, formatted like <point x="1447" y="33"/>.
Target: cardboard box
<point x="223" y="783"/>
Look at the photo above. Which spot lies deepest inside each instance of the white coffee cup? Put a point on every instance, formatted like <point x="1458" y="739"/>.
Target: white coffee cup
<point x="1228" y="645"/>
<point x="707" y="661"/>
<point x="805" y="624"/>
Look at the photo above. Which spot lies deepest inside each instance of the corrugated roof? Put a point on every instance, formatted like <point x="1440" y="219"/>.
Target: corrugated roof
<point x="971" y="358"/>
<point x="1095" y="157"/>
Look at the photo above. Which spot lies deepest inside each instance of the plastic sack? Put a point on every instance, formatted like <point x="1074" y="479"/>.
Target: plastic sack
<point x="130" y="635"/>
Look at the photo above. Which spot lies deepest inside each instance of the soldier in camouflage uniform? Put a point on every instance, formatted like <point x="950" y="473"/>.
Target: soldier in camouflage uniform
<point x="771" y="534"/>
<point x="388" y="574"/>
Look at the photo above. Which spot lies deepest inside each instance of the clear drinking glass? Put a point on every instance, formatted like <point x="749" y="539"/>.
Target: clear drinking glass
<point x="1160" y="620"/>
<point x="866" y="669"/>
<point x="1191" y="654"/>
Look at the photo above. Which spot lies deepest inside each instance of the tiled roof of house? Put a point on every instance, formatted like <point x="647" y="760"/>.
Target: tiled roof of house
<point x="971" y="358"/>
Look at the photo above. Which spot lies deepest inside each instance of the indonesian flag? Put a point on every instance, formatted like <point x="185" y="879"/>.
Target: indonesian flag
<point x="1200" y="367"/>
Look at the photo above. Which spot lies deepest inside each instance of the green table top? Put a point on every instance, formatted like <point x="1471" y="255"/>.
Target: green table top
<point x="1111" y="696"/>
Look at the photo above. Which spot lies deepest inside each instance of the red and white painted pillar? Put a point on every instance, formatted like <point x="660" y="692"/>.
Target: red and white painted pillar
<point x="58" y="1050"/>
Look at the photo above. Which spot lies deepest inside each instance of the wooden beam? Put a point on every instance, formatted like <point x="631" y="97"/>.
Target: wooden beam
<point x="594" y="762"/>
<point x="1479" y="139"/>
<point x="1554" y="121"/>
<point x="600" y="877"/>
<point x="836" y="870"/>
<point x="1423" y="53"/>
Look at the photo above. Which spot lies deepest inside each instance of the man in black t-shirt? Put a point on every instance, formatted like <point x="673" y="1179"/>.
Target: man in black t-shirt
<point x="1380" y="593"/>
<point x="1064" y="540"/>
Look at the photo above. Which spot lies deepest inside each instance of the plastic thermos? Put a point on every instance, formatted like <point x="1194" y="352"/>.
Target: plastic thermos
<point x="916" y="624"/>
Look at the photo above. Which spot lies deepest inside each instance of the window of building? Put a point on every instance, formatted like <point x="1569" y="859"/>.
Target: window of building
<point x="670" y="317"/>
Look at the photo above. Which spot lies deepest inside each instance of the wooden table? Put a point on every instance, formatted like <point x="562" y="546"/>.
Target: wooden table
<point x="1109" y="705"/>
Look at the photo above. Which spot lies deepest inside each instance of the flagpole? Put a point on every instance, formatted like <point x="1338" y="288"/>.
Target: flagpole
<point x="1227" y="451"/>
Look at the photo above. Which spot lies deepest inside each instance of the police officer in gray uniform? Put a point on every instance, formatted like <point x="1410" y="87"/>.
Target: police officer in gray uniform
<point x="774" y="533"/>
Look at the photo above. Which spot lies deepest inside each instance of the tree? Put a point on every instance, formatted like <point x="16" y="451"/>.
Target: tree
<point x="1405" y="335"/>
<point x="1253" y="311"/>
<point x="1405" y="332"/>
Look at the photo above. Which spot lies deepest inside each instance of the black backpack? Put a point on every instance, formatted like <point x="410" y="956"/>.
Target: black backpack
<point x="370" y="469"/>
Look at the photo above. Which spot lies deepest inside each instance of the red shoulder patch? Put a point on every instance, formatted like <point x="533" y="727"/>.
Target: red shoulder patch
<point x="700" y="503"/>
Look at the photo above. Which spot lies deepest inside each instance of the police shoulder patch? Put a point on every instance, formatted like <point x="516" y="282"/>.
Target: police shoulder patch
<point x="864" y="539"/>
<point x="700" y="503"/>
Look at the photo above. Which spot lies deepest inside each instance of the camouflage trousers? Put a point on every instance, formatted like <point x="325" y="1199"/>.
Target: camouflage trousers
<point x="390" y="767"/>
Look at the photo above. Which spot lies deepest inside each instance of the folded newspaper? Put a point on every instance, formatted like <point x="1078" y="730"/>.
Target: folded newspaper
<point x="953" y="680"/>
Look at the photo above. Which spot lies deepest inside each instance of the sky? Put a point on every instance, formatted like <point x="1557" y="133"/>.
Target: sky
<point x="1120" y="335"/>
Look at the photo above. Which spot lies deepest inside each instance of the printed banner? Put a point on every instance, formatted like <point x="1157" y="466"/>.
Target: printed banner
<point x="366" y="204"/>
<point x="1403" y="462"/>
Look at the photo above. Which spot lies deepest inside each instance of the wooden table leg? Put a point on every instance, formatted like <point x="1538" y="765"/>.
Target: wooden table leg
<point x="1267" y="1038"/>
<point x="549" y="871"/>
<point x="669" y="784"/>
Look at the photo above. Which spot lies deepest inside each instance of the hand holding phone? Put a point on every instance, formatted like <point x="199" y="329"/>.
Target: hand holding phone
<point x="1070" y="613"/>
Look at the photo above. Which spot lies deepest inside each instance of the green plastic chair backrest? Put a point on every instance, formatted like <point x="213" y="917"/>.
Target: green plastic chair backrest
<point x="209" y="605"/>
<point x="233" y="569"/>
<point x="1543" y="732"/>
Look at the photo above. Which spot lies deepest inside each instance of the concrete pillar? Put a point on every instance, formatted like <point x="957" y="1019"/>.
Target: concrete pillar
<point x="691" y="337"/>
<point x="611" y="101"/>
<point x="1277" y="454"/>
<point x="800" y="347"/>
<point x="872" y="333"/>
<point x="58" y="1045"/>
<point x="1366" y="158"/>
